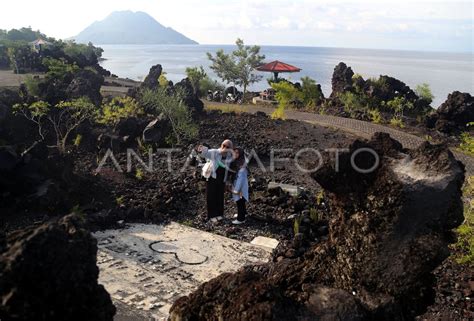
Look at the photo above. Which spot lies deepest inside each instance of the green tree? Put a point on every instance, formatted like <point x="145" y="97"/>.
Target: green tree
<point x="21" y="57"/>
<point x="172" y="106"/>
<point x="196" y="75"/>
<point x="68" y="116"/>
<point x="248" y="58"/>
<point x="12" y="57"/>
<point x="224" y="66"/>
<point x="81" y="54"/>
<point x="24" y="34"/>
<point x="59" y="68"/>
<point x="35" y="113"/>
<point x="239" y="66"/>
<point x="424" y="92"/>
<point x="64" y="117"/>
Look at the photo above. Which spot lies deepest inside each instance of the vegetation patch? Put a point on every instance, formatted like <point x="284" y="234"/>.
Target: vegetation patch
<point x="465" y="232"/>
<point x="467" y="142"/>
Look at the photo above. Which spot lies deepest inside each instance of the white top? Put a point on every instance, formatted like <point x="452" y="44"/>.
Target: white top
<point x="215" y="156"/>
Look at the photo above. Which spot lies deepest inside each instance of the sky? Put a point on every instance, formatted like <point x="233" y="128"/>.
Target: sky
<point x="404" y="24"/>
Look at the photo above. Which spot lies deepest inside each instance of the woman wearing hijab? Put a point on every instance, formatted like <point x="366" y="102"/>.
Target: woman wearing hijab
<point x="216" y="171"/>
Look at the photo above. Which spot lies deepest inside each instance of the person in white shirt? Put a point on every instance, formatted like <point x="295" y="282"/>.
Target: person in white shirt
<point x="216" y="174"/>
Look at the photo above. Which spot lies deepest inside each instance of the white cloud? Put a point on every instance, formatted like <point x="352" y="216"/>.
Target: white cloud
<point x="305" y="22"/>
<point x="281" y="23"/>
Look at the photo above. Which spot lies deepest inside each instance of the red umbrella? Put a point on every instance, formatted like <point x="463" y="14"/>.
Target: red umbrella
<point x="277" y="67"/>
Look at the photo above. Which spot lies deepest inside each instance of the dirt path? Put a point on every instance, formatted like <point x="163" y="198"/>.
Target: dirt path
<point x="10" y="79"/>
<point x="357" y="127"/>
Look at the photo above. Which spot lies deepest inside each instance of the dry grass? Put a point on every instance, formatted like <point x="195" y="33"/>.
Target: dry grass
<point x="226" y="108"/>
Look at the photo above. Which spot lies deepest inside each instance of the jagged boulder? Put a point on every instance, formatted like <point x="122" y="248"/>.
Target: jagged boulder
<point x="386" y="88"/>
<point x="34" y="178"/>
<point x="389" y="226"/>
<point x="387" y="231"/>
<point x="152" y="79"/>
<point x="49" y="272"/>
<point x="341" y="79"/>
<point x="454" y="114"/>
<point x="86" y="83"/>
<point x="157" y="130"/>
<point x="191" y="98"/>
<point x="72" y="85"/>
<point x="132" y="127"/>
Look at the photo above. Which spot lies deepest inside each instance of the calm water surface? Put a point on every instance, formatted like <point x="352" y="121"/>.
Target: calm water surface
<point x="444" y="72"/>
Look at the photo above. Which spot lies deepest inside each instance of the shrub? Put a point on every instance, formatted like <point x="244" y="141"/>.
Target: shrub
<point x="81" y="54"/>
<point x="465" y="232"/>
<point x="424" y="92"/>
<point x="311" y="92"/>
<point x="119" y="108"/>
<point x="196" y="75"/>
<point x="358" y="81"/>
<point x="272" y="80"/>
<point x="314" y="215"/>
<point x="467" y="143"/>
<point x="120" y="200"/>
<point x="59" y="68"/>
<point x="207" y="83"/>
<point x="286" y="94"/>
<point x="162" y="80"/>
<point x="352" y="101"/>
<point x="397" y="122"/>
<point x="32" y="86"/>
<point x="159" y="101"/>
<point x="399" y="105"/>
<point x="375" y="116"/>
<point x="279" y="113"/>
<point x="139" y="174"/>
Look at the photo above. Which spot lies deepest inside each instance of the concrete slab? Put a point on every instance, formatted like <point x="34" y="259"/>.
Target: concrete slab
<point x="146" y="267"/>
<point x="266" y="242"/>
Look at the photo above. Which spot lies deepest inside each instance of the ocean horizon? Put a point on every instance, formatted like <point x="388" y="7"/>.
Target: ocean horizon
<point x="445" y="72"/>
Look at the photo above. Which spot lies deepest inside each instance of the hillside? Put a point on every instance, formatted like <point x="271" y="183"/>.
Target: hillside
<point x="127" y="27"/>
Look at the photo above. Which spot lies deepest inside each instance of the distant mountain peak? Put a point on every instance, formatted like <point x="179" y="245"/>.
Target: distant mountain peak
<point x="128" y="27"/>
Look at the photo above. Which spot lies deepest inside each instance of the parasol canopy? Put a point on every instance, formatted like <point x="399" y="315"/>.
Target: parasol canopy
<point x="277" y="66"/>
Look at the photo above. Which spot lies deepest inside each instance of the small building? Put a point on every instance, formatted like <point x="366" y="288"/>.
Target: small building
<point x="39" y="44"/>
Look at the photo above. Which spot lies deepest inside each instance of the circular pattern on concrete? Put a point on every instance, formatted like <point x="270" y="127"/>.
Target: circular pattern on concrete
<point x="184" y="256"/>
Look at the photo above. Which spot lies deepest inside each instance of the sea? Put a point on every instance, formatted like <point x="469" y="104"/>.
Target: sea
<point x="444" y="72"/>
